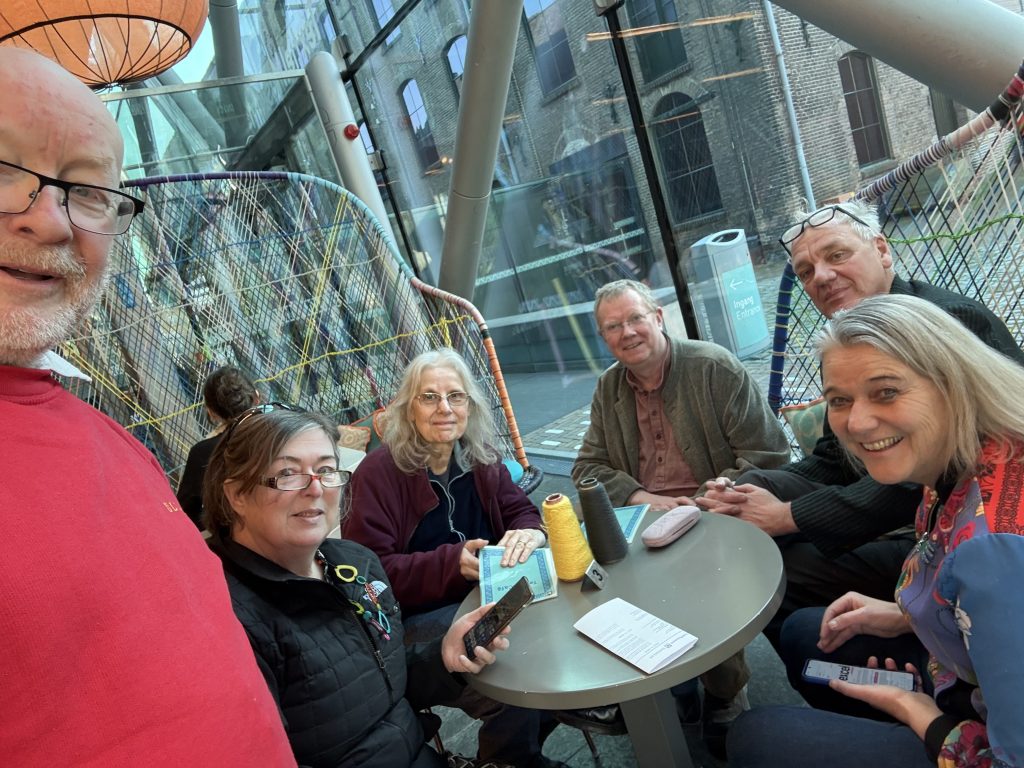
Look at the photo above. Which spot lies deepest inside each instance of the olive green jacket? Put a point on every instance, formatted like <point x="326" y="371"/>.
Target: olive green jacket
<point x="721" y="421"/>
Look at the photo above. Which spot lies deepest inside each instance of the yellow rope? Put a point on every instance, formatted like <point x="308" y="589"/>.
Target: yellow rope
<point x="568" y="546"/>
<point x="440" y="325"/>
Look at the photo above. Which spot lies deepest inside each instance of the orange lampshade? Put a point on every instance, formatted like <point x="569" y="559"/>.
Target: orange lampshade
<point x="103" y="42"/>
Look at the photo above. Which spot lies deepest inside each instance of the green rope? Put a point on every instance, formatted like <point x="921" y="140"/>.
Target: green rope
<point x="957" y="235"/>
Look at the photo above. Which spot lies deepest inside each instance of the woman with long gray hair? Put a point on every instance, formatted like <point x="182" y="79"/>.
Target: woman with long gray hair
<point x="427" y="501"/>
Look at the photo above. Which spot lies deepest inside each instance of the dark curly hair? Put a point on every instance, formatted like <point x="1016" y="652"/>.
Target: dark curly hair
<point x="245" y="453"/>
<point x="228" y="391"/>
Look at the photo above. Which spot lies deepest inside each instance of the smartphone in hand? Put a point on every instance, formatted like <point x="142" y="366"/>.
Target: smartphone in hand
<point x="821" y="672"/>
<point x="500" y="616"/>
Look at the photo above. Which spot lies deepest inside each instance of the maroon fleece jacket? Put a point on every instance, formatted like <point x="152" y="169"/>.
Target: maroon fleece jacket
<point x="388" y="504"/>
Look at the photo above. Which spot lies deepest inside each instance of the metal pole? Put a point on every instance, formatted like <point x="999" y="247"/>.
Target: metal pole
<point x="332" y="105"/>
<point x="383" y="171"/>
<point x="650" y="170"/>
<point x="787" y="95"/>
<point x="491" y="47"/>
<point x="968" y="49"/>
<point x="227" y="53"/>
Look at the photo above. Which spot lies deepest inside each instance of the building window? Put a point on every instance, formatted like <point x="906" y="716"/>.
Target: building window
<point x="416" y="112"/>
<point x="364" y="136"/>
<point x="456" y="53"/>
<point x="659" y="48"/>
<point x="860" y="89"/>
<point x="383" y="10"/>
<point x="550" y="44"/>
<point x="686" y="166"/>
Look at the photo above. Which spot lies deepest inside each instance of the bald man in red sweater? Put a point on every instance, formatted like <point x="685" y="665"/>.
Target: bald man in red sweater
<point x="119" y="643"/>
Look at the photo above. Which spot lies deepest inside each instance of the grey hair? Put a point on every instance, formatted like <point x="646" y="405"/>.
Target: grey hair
<point x="408" y="449"/>
<point x="617" y="288"/>
<point x="981" y="386"/>
<point x="868" y="231"/>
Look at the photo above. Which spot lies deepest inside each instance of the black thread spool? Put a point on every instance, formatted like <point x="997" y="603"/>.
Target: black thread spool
<point x="604" y="534"/>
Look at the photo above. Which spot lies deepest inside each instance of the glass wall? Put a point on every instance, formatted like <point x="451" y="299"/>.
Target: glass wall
<point x="575" y="201"/>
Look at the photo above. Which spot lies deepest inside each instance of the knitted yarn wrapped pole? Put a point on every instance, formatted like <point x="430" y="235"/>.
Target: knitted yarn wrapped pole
<point x="568" y="546"/>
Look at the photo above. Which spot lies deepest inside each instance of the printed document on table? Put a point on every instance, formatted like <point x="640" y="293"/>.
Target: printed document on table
<point x="641" y="638"/>
<point x="496" y="580"/>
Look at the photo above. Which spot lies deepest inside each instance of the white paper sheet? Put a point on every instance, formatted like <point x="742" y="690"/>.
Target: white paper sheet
<point x="641" y="638"/>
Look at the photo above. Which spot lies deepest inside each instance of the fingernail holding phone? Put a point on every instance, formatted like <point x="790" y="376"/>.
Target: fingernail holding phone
<point x="489" y="625"/>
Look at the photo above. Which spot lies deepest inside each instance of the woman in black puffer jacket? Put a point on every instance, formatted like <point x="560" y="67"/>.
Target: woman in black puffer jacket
<point x="319" y="612"/>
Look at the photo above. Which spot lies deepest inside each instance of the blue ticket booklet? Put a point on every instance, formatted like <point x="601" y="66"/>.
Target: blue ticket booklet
<point x="629" y="518"/>
<point x="496" y="580"/>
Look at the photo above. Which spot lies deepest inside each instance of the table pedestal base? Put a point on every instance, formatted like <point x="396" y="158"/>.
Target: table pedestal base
<point x="654" y="729"/>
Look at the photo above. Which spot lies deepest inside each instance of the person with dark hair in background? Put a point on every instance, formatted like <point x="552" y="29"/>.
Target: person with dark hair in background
<point x="226" y="393"/>
<point x="320" y="614"/>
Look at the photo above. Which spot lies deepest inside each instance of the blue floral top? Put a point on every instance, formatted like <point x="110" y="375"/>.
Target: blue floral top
<point x="962" y="589"/>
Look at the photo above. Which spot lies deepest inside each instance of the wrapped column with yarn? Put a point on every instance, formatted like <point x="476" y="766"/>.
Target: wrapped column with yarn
<point x="604" y="534"/>
<point x="568" y="546"/>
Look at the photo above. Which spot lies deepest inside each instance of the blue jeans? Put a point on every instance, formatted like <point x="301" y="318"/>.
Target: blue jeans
<point x="784" y="737"/>
<point x="798" y="643"/>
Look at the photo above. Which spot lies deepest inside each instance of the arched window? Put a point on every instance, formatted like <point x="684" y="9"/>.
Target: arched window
<point x="456" y="54"/>
<point x="383" y="10"/>
<point x="550" y="43"/>
<point x="860" y="88"/>
<point x="364" y="136"/>
<point x="416" y="111"/>
<point x="686" y="165"/>
<point x="658" y="52"/>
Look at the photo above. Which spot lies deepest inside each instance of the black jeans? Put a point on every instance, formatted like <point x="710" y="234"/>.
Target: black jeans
<point x="812" y="579"/>
<point x="799" y="642"/>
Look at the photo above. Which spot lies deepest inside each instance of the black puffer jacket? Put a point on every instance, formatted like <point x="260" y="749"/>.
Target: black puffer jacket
<point x="341" y="686"/>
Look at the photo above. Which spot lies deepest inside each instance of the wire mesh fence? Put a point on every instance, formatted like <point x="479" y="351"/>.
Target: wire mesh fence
<point x="954" y="216"/>
<point x="286" y="276"/>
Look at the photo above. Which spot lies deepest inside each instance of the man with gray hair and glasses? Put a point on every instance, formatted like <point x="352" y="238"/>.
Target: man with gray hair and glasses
<point x="120" y="643"/>
<point x="837" y="528"/>
<point x="669" y="413"/>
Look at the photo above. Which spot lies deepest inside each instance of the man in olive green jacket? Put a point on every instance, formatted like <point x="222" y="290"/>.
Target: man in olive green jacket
<point x="667" y="416"/>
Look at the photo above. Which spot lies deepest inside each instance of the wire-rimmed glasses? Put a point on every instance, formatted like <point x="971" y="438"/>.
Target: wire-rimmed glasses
<point x="434" y="399"/>
<point x="99" y="210"/>
<point x="300" y="481"/>
<point x="819" y="218"/>
<point x="614" y="329"/>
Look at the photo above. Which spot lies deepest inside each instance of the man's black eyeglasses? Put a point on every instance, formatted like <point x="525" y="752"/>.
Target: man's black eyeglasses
<point x="818" y="218"/>
<point x="99" y="210"/>
<point x="261" y="408"/>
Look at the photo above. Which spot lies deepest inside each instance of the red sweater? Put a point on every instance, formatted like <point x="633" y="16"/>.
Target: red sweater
<point x="119" y="644"/>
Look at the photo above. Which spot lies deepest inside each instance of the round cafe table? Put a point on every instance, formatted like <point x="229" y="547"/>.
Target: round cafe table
<point x="722" y="582"/>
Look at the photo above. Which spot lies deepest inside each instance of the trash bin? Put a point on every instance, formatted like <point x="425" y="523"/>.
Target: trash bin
<point x="725" y="296"/>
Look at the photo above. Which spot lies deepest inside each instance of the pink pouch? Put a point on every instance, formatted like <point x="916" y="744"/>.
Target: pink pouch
<point x="670" y="526"/>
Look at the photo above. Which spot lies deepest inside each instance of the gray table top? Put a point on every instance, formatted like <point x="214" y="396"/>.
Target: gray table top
<point x="722" y="581"/>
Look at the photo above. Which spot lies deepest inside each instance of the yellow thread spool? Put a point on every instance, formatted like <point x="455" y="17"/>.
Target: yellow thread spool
<point x="568" y="546"/>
